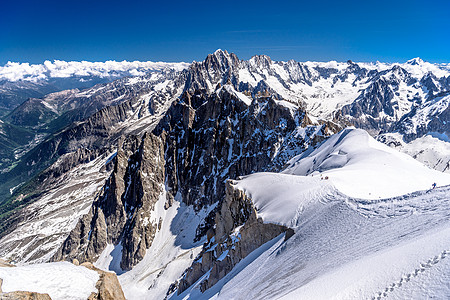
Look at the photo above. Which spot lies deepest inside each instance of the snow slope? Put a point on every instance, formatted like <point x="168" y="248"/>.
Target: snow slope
<point x="61" y="280"/>
<point x="46" y="223"/>
<point x="361" y="167"/>
<point x="346" y="251"/>
<point x="347" y="244"/>
<point x="432" y="151"/>
<point x="171" y="252"/>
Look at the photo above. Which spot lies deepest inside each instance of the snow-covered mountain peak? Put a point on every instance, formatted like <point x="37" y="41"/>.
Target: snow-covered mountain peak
<point x="260" y="61"/>
<point x="220" y="52"/>
<point x="418" y="68"/>
<point x="415" y="61"/>
<point x="219" y="67"/>
<point x="221" y="58"/>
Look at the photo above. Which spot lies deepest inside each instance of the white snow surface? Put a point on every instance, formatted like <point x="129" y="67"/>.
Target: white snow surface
<point x="359" y="166"/>
<point x="48" y="221"/>
<point x="396" y="248"/>
<point x="171" y="253"/>
<point x="279" y="198"/>
<point x="229" y="88"/>
<point x="61" y="280"/>
<point x="431" y="151"/>
<point x="346" y="247"/>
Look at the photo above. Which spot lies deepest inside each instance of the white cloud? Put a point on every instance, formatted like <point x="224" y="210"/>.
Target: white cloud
<point x="14" y="71"/>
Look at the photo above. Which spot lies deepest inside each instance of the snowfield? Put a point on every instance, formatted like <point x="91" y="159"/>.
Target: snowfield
<point x="171" y="253"/>
<point x="369" y="222"/>
<point x="373" y="229"/>
<point x="359" y="166"/>
<point x="397" y="248"/>
<point x="432" y="151"/>
<point x="61" y="280"/>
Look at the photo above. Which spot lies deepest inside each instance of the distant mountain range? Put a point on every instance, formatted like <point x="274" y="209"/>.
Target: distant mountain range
<point x="19" y="81"/>
<point x="146" y="175"/>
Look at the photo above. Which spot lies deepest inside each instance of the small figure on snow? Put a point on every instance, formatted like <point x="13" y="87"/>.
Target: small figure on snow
<point x="433" y="185"/>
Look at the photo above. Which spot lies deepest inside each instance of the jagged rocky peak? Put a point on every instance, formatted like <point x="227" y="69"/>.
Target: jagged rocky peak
<point x="220" y="67"/>
<point x="415" y="61"/>
<point x="300" y="72"/>
<point x="222" y="57"/>
<point x="122" y="212"/>
<point x="399" y="73"/>
<point x="221" y="61"/>
<point x="260" y="62"/>
<point x="431" y="82"/>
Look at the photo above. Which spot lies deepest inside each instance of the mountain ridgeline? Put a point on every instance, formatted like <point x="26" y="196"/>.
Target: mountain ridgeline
<point x="176" y="139"/>
<point x="200" y="142"/>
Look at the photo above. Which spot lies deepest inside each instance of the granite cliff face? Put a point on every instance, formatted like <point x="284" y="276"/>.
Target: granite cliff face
<point x="122" y="212"/>
<point x="380" y="98"/>
<point x="237" y="232"/>
<point x="214" y="137"/>
<point x="177" y="138"/>
<point x="191" y="153"/>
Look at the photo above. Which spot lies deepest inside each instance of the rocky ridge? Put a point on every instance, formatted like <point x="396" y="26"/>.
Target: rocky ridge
<point x="197" y="128"/>
<point x="220" y="119"/>
<point x="237" y="232"/>
<point x="377" y="97"/>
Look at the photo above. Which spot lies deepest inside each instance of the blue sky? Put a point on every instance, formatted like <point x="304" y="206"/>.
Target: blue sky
<point x="34" y="31"/>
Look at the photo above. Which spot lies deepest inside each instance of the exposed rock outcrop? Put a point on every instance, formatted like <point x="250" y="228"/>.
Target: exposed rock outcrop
<point x="5" y="264"/>
<point x="202" y="140"/>
<point x="108" y="285"/>
<point x="21" y="295"/>
<point x="122" y="212"/>
<point x="238" y="232"/>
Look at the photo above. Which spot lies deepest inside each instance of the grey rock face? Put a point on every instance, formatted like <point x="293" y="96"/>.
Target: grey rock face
<point x="229" y="247"/>
<point x="431" y="117"/>
<point x="122" y="211"/>
<point x="202" y="140"/>
<point x="219" y="67"/>
<point x="212" y="138"/>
